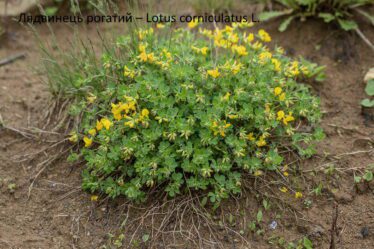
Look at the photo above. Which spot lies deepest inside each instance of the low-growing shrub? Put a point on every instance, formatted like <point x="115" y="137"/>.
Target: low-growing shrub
<point x="181" y="110"/>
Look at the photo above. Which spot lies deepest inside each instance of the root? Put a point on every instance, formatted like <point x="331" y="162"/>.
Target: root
<point x="181" y="219"/>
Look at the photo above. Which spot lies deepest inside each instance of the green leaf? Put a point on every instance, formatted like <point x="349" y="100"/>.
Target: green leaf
<point x="368" y="176"/>
<point x="283" y="26"/>
<point x="357" y="179"/>
<point x="327" y="17"/>
<point x="369" y="89"/>
<point x="259" y="216"/>
<point x="347" y="25"/>
<point x="50" y="11"/>
<point x="307" y="243"/>
<point x="267" y="15"/>
<point x="145" y="237"/>
<point x="204" y="201"/>
<point x="367" y="103"/>
<point x="305" y="2"/>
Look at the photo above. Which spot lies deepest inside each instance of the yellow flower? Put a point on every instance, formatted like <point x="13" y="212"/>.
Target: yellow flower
<point x="280" y="115"/>
<point x="243" y="24"/>
<point x="250" y="136"/>
<point x="257" y="45"/>
<point x="264" y="56"/>
<point x="305" y="70"/>
<point x="204" y="50"/>
<point x="228" y="29"/>
<point x="261" y="142"/>
<point x="94" y="197"/>
<point x="264" y="36"/>
<point x="117" y="109"/>
<point x="236" y="67"/>
<point x="106" y="123"/>
<point x="206" y="32"/>
<point x="145" y="112"/>
<point x="288" y="118"/>
<point x="240" y="50"/>
<point x="151" y="57"/>
<point x="141" y="47"/>
<point x="143" y="56"/>
<point x="92" y="132"/>
<point x="267" y="108"/>
<point x="87" y="141"/>
<point x="233" y="38"/>
<point x="277" y="65"/>
<point x="277" y="90"/>
<point x="257" y="173"/>
<point x="73" y="137"/>
<point x="214" y="73"/>
<point x="282" y="97"/>
<point x="128" y="73"/>
<point x="130" y="123"/>
<point x="231" y="116"/>
<point x="226" y="97"/>
<point x="293" y="69"/>
<point x="298" y="195"/>
<point x="160" y="25"/>
<point x="283" y="189"/>
<point x="193" y="24"/>
<point x="91" y="98"/>
<point x="99" y="125"/>
<point x="250" y="38"/>
<point x="285" y="174"/>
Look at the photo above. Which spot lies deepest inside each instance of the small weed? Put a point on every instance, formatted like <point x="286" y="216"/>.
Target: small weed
<point x="369" y="90"/>
<point x="12" y="187"/>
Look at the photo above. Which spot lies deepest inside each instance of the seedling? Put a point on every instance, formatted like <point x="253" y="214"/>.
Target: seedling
<point x="369" y="89"/>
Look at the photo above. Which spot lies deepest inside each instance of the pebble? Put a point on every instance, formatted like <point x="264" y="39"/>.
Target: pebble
<point x="364" y="232"/>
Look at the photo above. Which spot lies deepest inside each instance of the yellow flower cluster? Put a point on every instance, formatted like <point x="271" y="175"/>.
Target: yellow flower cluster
<point x="128" y="111"/>
<point x="239" y="49"/>
<point x="151" y="58"/>
<point x="203" y="50"/>
<point x="103" y="123"/>
<point x="264" y="56"/>
<point x="213" y="73"/>
<point x="277" y="64"/>
<point x="143" y="33"/>
<point x="193" y="24"/>
<point x="264" y="36"/>
<point x="261" y="141"/>
<point x="293" y="69"/>
<point x="129" y="73"/>
<point x="243" y="24"/>
<point x="279" y="92"/>
<point x="232" y="67"/>
<point x="285" y="118"/>
<point x="220" y="127"/>
<point x="128" y="107"/>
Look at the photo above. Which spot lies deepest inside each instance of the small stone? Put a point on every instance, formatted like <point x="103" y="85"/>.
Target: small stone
<point x="318" y="231"/>
<point x="273" y="225"/>
<point x="364" y="232"/>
